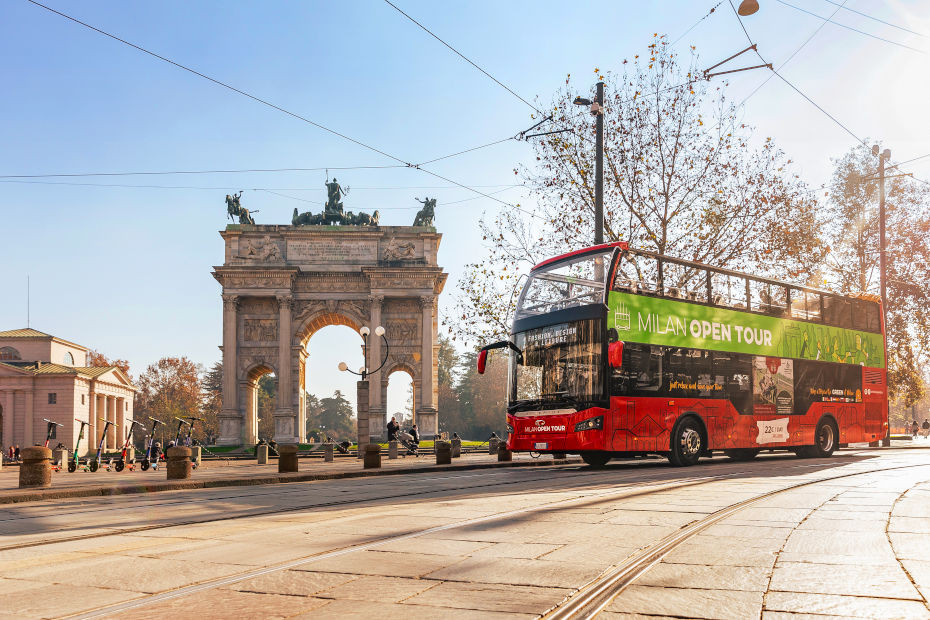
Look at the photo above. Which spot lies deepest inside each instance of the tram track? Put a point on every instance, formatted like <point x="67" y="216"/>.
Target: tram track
<point x="629" y="476"/>
<point x="596" y="595"/>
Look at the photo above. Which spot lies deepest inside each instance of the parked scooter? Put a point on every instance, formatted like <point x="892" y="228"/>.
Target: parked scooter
<point x="121" y="463"/>
<point x="151" y="458"/>
<point x="51" y="429"/>
<point x="94" y="465"/>
<point x="74" y="462"/>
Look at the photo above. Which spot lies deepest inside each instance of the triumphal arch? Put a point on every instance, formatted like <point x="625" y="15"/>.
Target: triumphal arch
<point x="283" y="283"/>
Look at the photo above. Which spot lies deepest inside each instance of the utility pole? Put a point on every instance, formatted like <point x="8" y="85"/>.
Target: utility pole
<point x="882" y="158"/>
<point x="599" y="167"/>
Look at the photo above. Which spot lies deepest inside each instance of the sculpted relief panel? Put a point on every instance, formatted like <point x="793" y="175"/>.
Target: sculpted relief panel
<point x="260" y="330"/>
<point x="332" y="250"/>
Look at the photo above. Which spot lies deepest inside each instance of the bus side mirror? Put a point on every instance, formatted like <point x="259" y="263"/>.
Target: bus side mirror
<point x="482" y="361"/>
<point x="615" y="354"/>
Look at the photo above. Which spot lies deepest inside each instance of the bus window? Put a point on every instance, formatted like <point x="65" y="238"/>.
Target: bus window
<point x="687" y="282"/>
<point x="860" y="314"/>
<point x="728" y="290"/>
<point x="641" y="372"/>
<point x="872" y="313"/>
<point x="771" y="299"/>
<point x="637" y="274"/>
<point x="733" y="372"/>
<point x="837" y="311"/>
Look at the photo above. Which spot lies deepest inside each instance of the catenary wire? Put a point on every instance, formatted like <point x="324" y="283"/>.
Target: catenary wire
<point x="276" y="107"/>
<point x="863" y="32"/>
<point x="695" y="24"/>
<point x="169" y="172"/>
<point x="881" y="21"/>
<point x="462" y="56"/>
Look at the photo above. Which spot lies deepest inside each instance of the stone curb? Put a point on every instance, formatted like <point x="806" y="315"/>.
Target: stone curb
<point x="211" y="483"/>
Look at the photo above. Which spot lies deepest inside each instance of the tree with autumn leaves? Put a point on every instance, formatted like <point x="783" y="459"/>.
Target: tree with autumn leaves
<point x="684" y="176"/>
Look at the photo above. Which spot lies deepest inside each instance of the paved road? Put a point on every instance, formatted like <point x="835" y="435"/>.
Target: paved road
<point x="853" y="541"/>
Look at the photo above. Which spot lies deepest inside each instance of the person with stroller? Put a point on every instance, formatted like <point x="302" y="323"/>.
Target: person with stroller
<point x="392" y="429"/>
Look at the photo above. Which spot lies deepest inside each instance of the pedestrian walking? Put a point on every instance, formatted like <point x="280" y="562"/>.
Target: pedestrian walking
<point x="10" y="456"/>
<point x="16" y="453"/>
<point x="926" y="427"/>
<point x="914" y="428"/>
<point x="392" y="429"/>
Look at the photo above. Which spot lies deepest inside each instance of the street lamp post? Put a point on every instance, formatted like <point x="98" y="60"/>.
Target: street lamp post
<point x="882" y="158"/>
<point x="597" y="109"/>
<point x="362" y="386"/>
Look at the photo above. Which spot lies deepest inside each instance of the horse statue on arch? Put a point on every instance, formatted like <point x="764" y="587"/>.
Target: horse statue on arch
<point x="427" y="214"/>
<point x="234" y="209"/>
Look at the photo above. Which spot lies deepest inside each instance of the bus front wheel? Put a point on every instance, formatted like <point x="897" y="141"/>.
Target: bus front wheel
<point x="686" y="443"/>
<point x="595" y="459"/>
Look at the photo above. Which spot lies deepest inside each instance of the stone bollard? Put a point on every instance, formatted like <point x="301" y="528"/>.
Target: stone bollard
<point x="36" y="469"/>
<point x="195" y="455"/>
<point x="503" y="454"/>
<point x="328" y="452"/>
<point x="61" y="457"/>
<point x="261" y="454"/>
<point x="493" y="443"/>
<point x="456" y="448"/>
<point x="392" y="449"/>
<point x="179" y="463"/>
<point x="372" y="456"/>
<point x="443" y="452"/>
<point x="287" y="459"/>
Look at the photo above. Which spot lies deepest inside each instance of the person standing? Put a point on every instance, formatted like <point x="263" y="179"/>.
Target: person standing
<point x="914" y="428"/>
<point x="392" y="429"/>
<point x="16" y="453"/>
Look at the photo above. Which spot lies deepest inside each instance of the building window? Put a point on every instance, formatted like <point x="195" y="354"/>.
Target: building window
<point x="9" y="353"/>
<point x="52" y="398"/>
<point x="69" y="359"/>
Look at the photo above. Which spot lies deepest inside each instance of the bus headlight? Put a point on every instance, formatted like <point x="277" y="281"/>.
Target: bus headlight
<point x="510" y="429"/>
<point x="590" y="424"/>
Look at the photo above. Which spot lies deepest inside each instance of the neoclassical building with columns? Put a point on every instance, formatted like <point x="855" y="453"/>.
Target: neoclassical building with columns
<point x="45" y="377"/>
<point x="280" y="284"/>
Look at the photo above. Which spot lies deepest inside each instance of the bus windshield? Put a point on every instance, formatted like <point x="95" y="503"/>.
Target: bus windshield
<point x="565" y="284"/>
<point x="560" y="366"/>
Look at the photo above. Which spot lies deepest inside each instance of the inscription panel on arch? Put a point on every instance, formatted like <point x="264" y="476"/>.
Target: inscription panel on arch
<point x="332" y="251"/>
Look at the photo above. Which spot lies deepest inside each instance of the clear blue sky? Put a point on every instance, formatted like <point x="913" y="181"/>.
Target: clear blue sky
<point x="126" y="270"/>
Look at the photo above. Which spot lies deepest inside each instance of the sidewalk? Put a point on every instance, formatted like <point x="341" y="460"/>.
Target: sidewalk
<point x="239" y="473"/>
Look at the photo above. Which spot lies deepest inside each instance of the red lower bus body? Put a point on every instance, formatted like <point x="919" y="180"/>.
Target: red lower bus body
<point x="638" y="425"/>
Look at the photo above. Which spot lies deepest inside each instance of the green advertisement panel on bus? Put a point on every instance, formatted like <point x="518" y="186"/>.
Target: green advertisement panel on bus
<point x="653" y="320"/>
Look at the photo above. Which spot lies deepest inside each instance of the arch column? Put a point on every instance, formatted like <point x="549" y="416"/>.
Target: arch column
<point x="6" y="399"/>
<point x="232" y="430"/>
<point x="427" y="417"/>
<point x="286" y="429"/>
<point x="111" y="417"/>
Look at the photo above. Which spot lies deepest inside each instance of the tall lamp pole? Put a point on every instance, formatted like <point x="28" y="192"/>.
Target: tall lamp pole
<point x="882" y="158"/>
<point x="597" y="109"/>
<point x="362" y="394"/>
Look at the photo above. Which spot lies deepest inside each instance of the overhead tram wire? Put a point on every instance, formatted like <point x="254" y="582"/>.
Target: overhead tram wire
<point x="873" y="18"/>
<point x="793" y="54"/>
<point x="695" y="24"/>
<point x="862" y="32"/>
<point x="169" y="172"/>
<point x="279" y="108"/>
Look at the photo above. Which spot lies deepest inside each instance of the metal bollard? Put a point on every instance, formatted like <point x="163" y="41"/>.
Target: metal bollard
<point x="261" y="454"/>
<point x="392" y="449"/>
<point x="456" y="448"/>
<point x="287" y="458"/>
<point x="493" y="443"/>
<point x="195" y="455"/>
<point x="179" y="463"/>
<point x="372" y="456"/>
<point x="36" y="470"/>
<point x="443" y="452"/>
<point x="503" y="454"/>
<point x="328" y="450"/>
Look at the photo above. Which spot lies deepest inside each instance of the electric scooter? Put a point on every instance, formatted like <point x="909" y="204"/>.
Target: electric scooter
<point x="94" y="465"/>
<point x="121" y="463"/>
<point x="181" y="423"/>
<point x="151" y="460"/>
<point x="73" y="463"/>
<point x="48" y="436"/>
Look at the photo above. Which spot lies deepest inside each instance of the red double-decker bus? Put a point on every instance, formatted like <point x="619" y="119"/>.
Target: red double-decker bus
<point x="616" y="352"/>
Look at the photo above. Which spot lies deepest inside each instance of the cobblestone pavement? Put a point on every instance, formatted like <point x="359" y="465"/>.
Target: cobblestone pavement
<point x="485" y="543"/>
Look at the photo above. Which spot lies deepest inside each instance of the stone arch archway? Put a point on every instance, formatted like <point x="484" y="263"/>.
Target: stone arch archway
<point x="401" y="368"/>
<point x="281" y="284"/>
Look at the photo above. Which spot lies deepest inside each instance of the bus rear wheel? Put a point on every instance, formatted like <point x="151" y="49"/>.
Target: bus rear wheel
<point x="741" y="454"/>
<point x="595" y="459"/>
<point x="825" y="439"/>
<point x="686" y="443"/>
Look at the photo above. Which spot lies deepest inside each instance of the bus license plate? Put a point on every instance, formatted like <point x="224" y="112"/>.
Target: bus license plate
<point x="540" y="445"/>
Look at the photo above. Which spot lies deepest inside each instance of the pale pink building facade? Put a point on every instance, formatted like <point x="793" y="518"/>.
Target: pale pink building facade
<point x="45" y="377"/>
